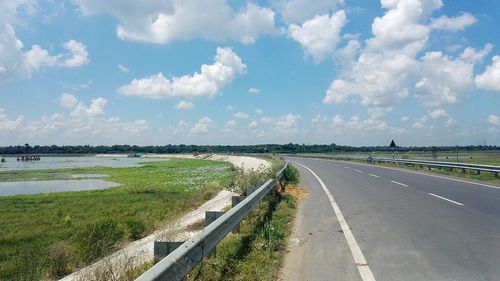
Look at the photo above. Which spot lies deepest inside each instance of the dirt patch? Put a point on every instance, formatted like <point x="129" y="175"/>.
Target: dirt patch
<point x="297" y="192"/>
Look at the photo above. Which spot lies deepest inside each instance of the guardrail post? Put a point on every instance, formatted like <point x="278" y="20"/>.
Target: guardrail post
<point x="234" y="201"/>
<point x="210" y="217"/>
<point x="478" y="172"/>
<point x="162" y="249"/>
<point x="463" y="170"/>
<point x="495" y="174"/>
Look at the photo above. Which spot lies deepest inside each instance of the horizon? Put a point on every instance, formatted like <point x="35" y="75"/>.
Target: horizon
<point x="350" y="72"/>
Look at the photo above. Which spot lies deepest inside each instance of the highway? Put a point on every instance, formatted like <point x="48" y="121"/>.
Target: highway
<point x="365" y="222"/>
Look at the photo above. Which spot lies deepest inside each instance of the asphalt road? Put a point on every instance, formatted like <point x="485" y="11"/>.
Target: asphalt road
<point x="392" y="225"/>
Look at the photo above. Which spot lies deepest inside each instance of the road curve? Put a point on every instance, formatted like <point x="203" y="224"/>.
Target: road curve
<point x="407" y="226"/>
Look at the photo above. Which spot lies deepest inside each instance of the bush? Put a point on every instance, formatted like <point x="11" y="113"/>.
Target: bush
<point x="291" y="174"/>
<point x="136" y="228"/>
<point x="61" y="256"/>
<point x="98" y="238"/>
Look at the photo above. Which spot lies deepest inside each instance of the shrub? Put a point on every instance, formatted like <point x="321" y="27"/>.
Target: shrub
<point x="60" y="257"/>
<point x="136" y="228"/>
<point x="98" y="238"/>
<point x="291" y="174"/>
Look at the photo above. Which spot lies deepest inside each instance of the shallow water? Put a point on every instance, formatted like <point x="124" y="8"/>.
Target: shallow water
<point x="73" y="162"/>
<point x="35" y="187"/>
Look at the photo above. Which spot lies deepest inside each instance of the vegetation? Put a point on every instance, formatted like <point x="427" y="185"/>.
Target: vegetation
<point x="257" y="252"/>
<point x="48" y="235"/>
<point x="291" y="175"/>
<point x="261" y="148"/>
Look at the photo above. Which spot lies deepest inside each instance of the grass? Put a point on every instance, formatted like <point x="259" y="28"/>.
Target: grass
<point x="33" y="226"/>
<point x="257" y="252"/>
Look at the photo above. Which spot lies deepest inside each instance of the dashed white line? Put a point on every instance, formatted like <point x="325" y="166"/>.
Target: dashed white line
<point x="337" y="165"/>
<point x="359" y="171"/>
<point x="405" y="185"/>
<point x="374" y="176"/>
<point x="444" y="198"/>
<point x="347" y="167"/>
<point x="359" y="259"/>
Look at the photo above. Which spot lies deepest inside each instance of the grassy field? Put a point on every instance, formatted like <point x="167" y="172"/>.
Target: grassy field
<point x="47" y="235"/>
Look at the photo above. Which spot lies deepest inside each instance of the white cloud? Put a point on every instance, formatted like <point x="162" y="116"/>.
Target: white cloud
<point x="230" y="108"/>
<point x="37" y="58"/>
<point x="258" y="111"/>
<point x="337" y="121"/>
<point x="185" y="105"/>
<point x="473" y="56"/>
<point x="253" y="91"/>
<point x="493" y="120"/>
<point x="78" y="54"/>
<point x="266" y="120"/>
<point x="404" y="118"/>
<point x="253" y="124"/>
<point x="207" y="83"/>
<point x="68" y="101"/>
<point x="318" y="119"/>
<point x="450" y="122"/>
<point x="319" y="36"/>
<point x="288" y="124"/>
<point x="438" y="113"/>
<point x="203" y="126"/>
<point x="453" y="24"/>
<point x="490" y="78"/>
<point x="172" y="20"/>
<point x="301" y="10"/>
<point x="122" y="68"/>
<point x="418" y="125"/>
<point x="240" y="115"/>
<point x="77" y="124"/>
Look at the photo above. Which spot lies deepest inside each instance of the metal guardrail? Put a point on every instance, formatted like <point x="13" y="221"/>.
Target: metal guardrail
<point x="181" y="261"/>
<point x="451" y="165"/>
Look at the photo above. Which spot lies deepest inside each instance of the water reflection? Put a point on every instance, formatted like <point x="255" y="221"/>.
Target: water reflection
<point x="35" y="187"/>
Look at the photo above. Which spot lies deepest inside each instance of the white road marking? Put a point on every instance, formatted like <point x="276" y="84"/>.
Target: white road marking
<point x="444" y="198"/>
<point x="405" y="185"/>
<point x="359" y="259"/>
<point x="374" y="176"/>
<point x="347" y="167"/>
<point x="359" y="171"/>
<point x="337" y="165"/>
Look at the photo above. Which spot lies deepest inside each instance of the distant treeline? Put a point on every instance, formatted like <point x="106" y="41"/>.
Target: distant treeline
<point x="261" y="148"/>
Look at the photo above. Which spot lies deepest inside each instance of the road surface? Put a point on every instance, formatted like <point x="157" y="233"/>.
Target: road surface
<point x="376" y="223"/>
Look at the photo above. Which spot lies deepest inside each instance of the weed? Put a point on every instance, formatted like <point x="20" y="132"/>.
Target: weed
<point x="98" y="238"/>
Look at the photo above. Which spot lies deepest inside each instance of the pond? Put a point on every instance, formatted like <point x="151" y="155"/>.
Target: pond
<point x="74" y="162"/>
<point x="35" y="187"/>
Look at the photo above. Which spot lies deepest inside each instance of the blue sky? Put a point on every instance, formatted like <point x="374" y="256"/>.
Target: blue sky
<point x="422" y="72"/>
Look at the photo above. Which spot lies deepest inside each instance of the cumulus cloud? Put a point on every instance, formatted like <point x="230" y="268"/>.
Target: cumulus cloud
<point x="438" y="113"/>
<point x="203" y="126"/>
<point x="254" y="124"/>
<point x="207" y="83"/>
<point x="288" y="124"/>
<point x="319" y="36"/>
<point x="490" y="79"/>
<point x="300" y="10"/>
<point x="78" y="54"/>
<point x="443" y="80"/>
<point x="471" y="55"/>
<point x="78" y="123"/>
<point x="172" y="20"/>
<point x="240" y="115"/>
<point x="454" y="23"/>
<point x="184" y="105"/>
<point x="493" y="120"/>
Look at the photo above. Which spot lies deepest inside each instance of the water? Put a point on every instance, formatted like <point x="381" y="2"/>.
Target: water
<point x="35" y="187"/>
<point x="12" y="164"/>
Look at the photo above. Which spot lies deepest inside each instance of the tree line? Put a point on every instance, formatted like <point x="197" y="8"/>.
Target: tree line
<point x="260" y="148"/>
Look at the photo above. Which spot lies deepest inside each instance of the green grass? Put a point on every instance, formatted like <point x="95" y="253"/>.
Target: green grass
<point x="257" y="252"/>
<point x="149" y="197"/>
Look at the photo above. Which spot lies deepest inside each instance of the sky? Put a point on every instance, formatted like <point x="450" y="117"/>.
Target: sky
<point x="350" y="72"/>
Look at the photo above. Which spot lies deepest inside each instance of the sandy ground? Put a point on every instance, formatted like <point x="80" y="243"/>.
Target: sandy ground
<point x="246" y="162"/>
<point x="141" y="251"/>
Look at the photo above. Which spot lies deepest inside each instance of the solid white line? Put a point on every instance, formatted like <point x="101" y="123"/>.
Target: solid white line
<point x="444" y="198"/>
<point x="359" y="171"/>
<point x="405" y="185"/>
<point x="374" y="175"/>
<point x="359" y="259"/>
